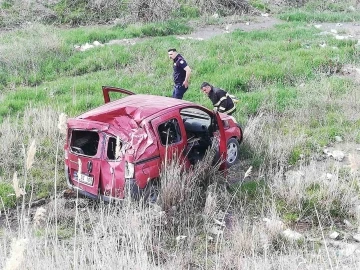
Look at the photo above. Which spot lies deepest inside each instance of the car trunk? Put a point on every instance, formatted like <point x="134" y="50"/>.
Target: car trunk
<point x="91" y="159"/>
<point x="84" y="160"/>
<point x="85" y="147"/>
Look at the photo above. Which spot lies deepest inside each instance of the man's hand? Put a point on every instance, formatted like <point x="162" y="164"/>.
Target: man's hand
<point x="187" y="76"/>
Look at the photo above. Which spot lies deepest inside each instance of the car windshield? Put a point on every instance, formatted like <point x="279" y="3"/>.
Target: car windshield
<point x="194" y="113"/>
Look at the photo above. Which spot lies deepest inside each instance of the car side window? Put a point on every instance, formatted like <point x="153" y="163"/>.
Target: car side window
<point x="169" y="132"/>
<point x="111" y="148"/>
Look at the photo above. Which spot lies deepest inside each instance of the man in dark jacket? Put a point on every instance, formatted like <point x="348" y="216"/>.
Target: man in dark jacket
<point x="181" y="74"/>
<point x="220" y="98"/>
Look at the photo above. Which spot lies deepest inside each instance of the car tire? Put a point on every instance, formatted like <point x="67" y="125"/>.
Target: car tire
<point x="241" y="131"/>
<point x="232" y="152"/>
<point x="151" y="192"/>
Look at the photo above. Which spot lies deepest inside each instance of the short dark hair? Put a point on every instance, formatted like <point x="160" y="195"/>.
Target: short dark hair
<point x="171" y="50"/>
<point x="204" y="84"/>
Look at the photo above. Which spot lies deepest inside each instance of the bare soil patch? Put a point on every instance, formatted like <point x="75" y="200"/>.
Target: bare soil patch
<point x="252" y="24"/>
<point x="202" y="32"/>
<point x="350" y="30"/>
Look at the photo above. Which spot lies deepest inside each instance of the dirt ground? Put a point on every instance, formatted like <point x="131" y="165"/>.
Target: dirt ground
<point x="349" y="30"/>
<point x="204" y="32"/>
<point x="251" y="24"/>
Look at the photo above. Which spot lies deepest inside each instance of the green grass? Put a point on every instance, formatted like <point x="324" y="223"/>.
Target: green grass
<point x="293" y="103"/>
<point x="322" y="11"/>
<point x="262" y="68"/>
<point x="7" y="195"/>
<point x="308" y="16"/>
<point x="104" y="34"/>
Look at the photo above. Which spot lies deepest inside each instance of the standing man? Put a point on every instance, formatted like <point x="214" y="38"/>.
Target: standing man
<point x="220" y="98"/>
<point x="181" y="74"/>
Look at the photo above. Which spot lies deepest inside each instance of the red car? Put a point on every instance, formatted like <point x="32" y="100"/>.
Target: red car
<point x="121" y="145"/>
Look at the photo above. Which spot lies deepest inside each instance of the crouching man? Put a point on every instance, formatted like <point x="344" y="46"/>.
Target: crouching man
<point x="220" y="98"/>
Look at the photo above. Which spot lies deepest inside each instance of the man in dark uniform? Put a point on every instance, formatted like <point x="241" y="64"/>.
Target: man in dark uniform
<point x="221" y="99"/>
<point x="181" y="74"/>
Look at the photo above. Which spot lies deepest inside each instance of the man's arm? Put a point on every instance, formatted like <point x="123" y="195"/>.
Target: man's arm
<point x="222" y="100"/>
<point x="187" y="76"/>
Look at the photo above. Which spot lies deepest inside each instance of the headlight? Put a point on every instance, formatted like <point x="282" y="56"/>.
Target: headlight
<point x="129" y="170"/>
<point x="233" y="118"/>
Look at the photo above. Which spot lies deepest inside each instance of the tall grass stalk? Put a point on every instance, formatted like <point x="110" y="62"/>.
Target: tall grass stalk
<point x="323" y="237"/>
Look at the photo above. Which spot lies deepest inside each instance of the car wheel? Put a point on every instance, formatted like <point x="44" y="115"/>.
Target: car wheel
<point x="151" y="192"/>
<point x="233" y="152"/>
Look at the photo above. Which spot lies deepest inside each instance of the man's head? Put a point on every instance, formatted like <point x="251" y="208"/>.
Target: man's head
<point x="205" y="87"/>
<point x="172" y="53"/>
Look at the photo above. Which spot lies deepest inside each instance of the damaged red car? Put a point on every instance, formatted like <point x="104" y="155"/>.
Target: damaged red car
<point x="120" y="146"/>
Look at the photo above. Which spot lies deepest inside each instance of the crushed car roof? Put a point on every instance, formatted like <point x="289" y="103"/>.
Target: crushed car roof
<point x="136" y="107"/>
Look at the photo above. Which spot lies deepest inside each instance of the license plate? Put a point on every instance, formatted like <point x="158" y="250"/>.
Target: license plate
<point x="88" y="180"/>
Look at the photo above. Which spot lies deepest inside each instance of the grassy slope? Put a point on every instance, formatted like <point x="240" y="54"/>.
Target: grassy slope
<point x="291" y="103"/>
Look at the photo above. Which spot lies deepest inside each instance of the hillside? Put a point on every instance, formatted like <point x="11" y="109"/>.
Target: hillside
<point x="293" y="200"/>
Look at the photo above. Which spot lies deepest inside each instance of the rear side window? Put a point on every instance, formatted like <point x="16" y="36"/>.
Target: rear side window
<point x="111" y="149"/>
<point x="169" y="132"/>
<point x="84" y="142"/>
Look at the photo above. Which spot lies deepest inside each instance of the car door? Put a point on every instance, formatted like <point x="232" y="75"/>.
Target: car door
<point x="84" y="155"/>
<point x="112" y="174"/>
<point x="171" y="136"/>
<point x="219" y="134"/>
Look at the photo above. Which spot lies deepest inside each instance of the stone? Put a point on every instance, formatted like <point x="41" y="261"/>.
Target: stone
<point x="334" y="235"/>
<point x="348" y="250"/>
<point x="339" y="37"/>
<point x="180" y="237"/>
<point x="292" y="235"/>
<point x="215" y="230"/>
<point x="220" y="223"/>
<point x="338" y="155"/>
<point x="348" y="223"/>
<point x="274" y="225"/>
<point x="356" y="237"/>
<point x="338" y="139"/>
<point x="97" y="43"/>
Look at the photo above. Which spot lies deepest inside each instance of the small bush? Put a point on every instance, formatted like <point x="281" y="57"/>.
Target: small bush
<point x="7" y="195"/>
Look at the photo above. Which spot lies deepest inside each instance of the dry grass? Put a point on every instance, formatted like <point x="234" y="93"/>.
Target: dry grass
<point x="183" y="230"/>
<point x="326" y="185"/>
<point x="129" y="236"/>
<point x="18" y="190"/>
<point x="25" y="48"/>
<point x="31" y="155"/>
<point x="16" y="257"/>
<point x="36" y="123"/>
